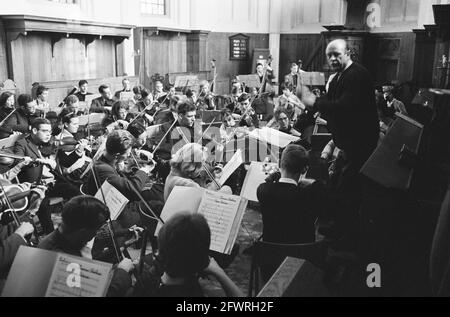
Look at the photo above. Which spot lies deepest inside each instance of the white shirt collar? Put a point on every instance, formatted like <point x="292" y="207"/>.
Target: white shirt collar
<point x="288" y="181"/>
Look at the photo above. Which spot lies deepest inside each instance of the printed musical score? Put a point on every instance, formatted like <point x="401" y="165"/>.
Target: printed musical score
<point x="115" y="200"/>
<point x="220" y="211"/>
<point x="93" y="278"/>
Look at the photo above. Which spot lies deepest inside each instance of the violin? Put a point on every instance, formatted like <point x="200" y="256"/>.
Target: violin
<point x="14" y="203"/>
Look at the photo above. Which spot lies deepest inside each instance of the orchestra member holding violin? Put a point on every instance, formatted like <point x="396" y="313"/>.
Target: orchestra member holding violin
<point x="284" y="123"/>
<point x="146" y="105"/>
<point x="248" y="116"/>
<point x="72" y="154"/>
<point x="104" y="103"/>
<point x="43" y="173"/>
<point x="7" y="102"/>
<point x="205" y="100"/>
<point x="111" y="166"/>
<point x="20" y="121"/>
<point x="73" y="104"/>
<point x="158" y="92"/>
<point x="82" y="217"/>
<point x="289" y="102"/>
<point x="188" y="168"/>
<point x="119" y="117"/>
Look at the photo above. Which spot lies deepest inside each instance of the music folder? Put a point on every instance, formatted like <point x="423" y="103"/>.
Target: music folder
<point x="223" y="213"/>
<point x="41" y="273"/>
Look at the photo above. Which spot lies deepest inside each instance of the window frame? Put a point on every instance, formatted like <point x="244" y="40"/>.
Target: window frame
<point x="146" y="14"/>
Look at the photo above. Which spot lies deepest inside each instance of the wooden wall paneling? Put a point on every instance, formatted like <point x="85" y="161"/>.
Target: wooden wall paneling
<point x="3" y="55"/>
<point x="424" y="60"/>
<point x="19" y="64"/>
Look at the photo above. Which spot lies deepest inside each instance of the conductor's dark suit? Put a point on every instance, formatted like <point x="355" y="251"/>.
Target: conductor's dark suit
<point x="351" y="111"/>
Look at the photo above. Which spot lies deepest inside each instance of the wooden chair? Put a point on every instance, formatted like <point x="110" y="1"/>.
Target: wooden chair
<point x="266" y="254"/>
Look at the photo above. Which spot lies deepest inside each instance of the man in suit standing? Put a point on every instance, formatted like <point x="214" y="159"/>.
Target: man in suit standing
<point x="351" y="112"/>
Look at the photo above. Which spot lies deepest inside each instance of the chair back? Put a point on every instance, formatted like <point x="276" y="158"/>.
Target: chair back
<point x="271" y="255"/>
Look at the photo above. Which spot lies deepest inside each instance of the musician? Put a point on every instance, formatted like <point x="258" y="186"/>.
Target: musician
<point x="205" y="100"/>
<point x="126" y="88"/>
<point x="10" y="244"/>
<point x="248" y="118"/>
<point x="42" y="94"/>
<point x="228" y="126"/>
<point x="293" y="79"/>
<point x="7" y="102"/>
<point x="262" y="103"/>
<point x="183" y="256"/>
<point x="282" y="117"/>
<point x="73" y="158"/>
<point x="191" y="96"/>
<point x="158" y="91"/>
<point x="393" y="105"/>
<point x="119" y="117"/>
<point x="351" y="113"/>
<point x="73" y="104"/>
<point x="187" y="170"/>
<point x="145" y="103"/>
<point x="289" y="206"/>
<point x="289" y="102"/>
<point x="110" y="167"/>
<point x="21" y="119"/>
<point x="265" y="75"/>
<point x="83" y="90"/>
<point x="104" y="103"/>
<point x="82" y="217"/>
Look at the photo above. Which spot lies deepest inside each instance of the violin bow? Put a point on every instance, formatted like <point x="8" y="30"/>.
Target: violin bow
<point x="7" y="117"/>
<point x="165" y="135"/>
<point x="109" y="223"/>
<point x="203" y="164"/>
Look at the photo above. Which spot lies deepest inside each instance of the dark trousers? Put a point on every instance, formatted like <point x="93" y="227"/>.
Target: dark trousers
<point x="348" y="193"/>
<point x="60" y="189"/>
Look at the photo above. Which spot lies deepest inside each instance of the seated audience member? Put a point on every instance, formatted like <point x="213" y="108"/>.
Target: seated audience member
<point x="20" y="120"/>
<point x="82" y="217"/>
<point x="83" y="90"/>
<point x="284" y="123"/>
<point x="187" y="170"/>
<point x="104" y="103"/>
<point x="183" y="257"/>
<point x="126" y="85"/>
<point x="7" y="102"/>
<point x="42" y="94"/>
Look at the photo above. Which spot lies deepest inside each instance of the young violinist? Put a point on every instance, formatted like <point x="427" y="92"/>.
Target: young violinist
<point x="82" y="217"/>
<point x="72" y="154"/>
<point x="111" y="167"/>
<point x="188" y="169"/>
<point x="119" y="117"/>
<point x="19" y="122"/>
<point x="249" y="118"/>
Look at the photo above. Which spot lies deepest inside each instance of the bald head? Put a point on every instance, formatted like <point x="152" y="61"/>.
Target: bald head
<point x="338" y="55"/>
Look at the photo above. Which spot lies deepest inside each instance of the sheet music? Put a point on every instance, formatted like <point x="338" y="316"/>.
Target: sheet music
<point x="93" y="118"/>
<point x="232" y="165"/>
<point x="256" y="176"/>
<point x="273" y="137"/>
<point x="220" y="211"/>
<point x="126" y="96"/>
<point x="115" y="200"/>
<point x="95" y="278"/>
